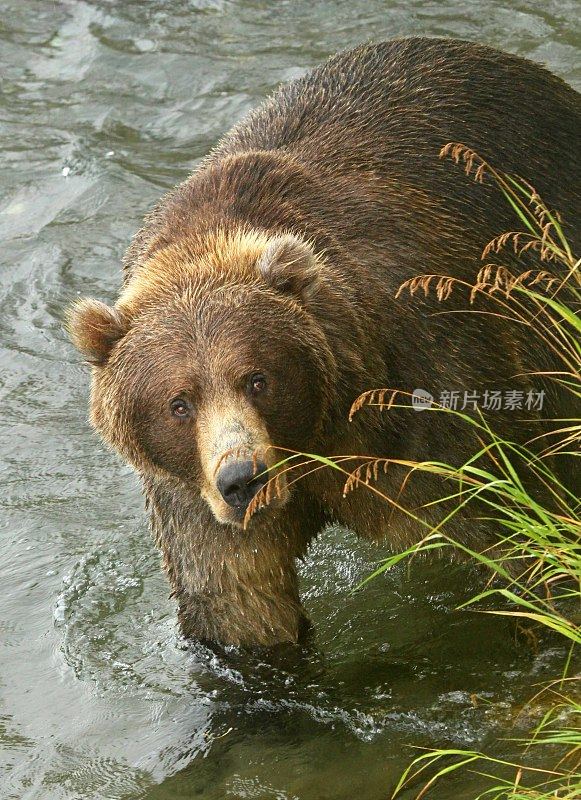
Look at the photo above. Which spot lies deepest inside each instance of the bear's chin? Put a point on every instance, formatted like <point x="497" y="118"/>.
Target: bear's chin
<point x="242" y="518"/>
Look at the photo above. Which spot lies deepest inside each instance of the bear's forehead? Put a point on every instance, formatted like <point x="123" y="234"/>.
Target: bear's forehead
<point x="212" y="342"/>
<point x="153" y="375"/>
<point x="223" y="317"/>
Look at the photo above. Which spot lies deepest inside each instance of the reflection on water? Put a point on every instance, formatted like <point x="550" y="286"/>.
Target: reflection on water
<point x="104" y="105"/>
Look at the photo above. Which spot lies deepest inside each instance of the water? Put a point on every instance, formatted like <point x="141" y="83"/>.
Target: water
<point x="103" y="106"/>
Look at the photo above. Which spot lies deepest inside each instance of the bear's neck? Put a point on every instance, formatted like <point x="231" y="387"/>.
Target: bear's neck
<point x="231" y="585"/>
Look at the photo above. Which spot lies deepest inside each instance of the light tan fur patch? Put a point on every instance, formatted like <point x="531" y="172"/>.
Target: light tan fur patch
<point x="223" y="255"/>
<point x="233" y="430"/>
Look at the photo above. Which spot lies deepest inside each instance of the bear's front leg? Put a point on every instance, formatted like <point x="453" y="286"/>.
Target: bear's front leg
<point x="247" y="603"/>
<point x="233" y="585"/>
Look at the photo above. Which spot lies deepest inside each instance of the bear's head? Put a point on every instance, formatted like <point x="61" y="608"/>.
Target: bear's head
<point x="211" y="366"/>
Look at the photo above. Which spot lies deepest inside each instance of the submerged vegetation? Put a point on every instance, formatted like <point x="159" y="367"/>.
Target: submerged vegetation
<point x="535" y="569"/>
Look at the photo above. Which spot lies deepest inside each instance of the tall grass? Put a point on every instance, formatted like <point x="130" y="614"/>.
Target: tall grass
<point x="535" y="569"/>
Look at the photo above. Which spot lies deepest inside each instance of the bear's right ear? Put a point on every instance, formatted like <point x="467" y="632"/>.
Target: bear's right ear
<point x="290" y="266"/>
<point x="94" y="328"/>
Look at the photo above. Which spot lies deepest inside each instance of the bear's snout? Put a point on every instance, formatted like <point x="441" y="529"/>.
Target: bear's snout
<point x="239" y="481"/>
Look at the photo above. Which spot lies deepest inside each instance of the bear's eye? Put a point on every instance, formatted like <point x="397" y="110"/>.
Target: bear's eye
<point x="257" y="383"/>
<point x="180" y="408"/>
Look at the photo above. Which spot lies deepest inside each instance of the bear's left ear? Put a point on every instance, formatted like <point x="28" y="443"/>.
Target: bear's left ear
<point x="290" y="266"/>
<point x="95" y="328"/>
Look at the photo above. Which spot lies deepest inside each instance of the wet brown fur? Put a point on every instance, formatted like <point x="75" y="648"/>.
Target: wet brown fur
<point x="344" y="163"/>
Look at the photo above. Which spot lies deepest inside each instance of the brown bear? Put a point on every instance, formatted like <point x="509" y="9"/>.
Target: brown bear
<point x="260" y="300"/>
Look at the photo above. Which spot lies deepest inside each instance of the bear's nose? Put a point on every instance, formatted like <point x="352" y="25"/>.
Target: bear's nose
<point x="237" y="482"/>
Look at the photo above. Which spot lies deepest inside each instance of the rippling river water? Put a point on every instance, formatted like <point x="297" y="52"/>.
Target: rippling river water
<point x="104" y="105"/>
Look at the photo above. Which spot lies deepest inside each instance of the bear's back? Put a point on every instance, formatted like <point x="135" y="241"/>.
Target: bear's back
<point x="389" y="108"/>
<point x="352" y="149"/>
